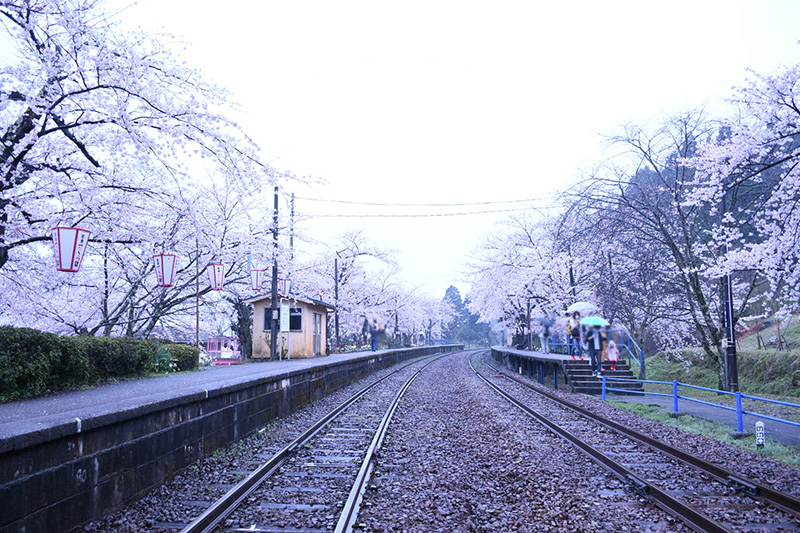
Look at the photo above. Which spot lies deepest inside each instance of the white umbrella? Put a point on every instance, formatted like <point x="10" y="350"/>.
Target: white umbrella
<point x="581" y="307"/>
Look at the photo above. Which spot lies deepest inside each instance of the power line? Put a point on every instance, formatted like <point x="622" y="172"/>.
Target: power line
<point x="422" y="205"/>
<point x="424" y="215"/>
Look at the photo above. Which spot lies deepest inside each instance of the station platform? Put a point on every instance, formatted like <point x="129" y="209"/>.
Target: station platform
<point x="520" y="361"/>
<point x="575" y="372"/>
<point x="70" y="457"/>
<point x="41" y="415"/>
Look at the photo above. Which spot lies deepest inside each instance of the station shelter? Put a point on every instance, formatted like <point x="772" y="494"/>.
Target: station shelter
<point x="308" y="326"/>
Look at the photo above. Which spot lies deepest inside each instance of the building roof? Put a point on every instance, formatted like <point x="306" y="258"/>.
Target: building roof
<point x="293" y="298"/>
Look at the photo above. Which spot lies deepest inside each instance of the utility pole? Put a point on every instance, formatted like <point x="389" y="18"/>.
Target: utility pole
<point x="291" y="236"/>
<point x="336" y="297"/>
<point x="731" y="366"/>
<point x="571" y="272"/>
<point x="273" y="324"/>
<point x="528" y="320"/>
<point x="197" y="294"/>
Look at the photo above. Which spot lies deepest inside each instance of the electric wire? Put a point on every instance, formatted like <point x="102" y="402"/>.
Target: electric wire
<point x="420" y="215"/>
<point x="382" y="204"/>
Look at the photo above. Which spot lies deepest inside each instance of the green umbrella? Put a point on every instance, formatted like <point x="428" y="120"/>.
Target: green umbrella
<point x="595" y="321"/>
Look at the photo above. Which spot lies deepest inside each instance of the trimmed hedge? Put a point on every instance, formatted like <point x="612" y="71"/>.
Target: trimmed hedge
<point x="186" y="357"/>
<point x="33" y="362"/>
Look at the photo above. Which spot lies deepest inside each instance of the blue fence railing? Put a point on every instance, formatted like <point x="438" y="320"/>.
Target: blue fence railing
<point x="676" y="396"/>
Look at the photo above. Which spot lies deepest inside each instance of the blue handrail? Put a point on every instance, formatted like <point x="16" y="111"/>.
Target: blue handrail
<point x="559" y="343"/>
<point x="675" y="397"/>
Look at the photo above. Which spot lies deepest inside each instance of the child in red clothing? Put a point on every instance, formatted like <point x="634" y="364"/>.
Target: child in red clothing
<point x="612" y="354"/>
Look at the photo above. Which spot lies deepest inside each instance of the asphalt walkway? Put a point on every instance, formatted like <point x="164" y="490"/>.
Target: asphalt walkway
<point x="777" y="431"/>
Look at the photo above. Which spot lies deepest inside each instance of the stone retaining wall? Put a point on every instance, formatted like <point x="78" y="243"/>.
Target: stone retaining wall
<point x="59" y="477"/>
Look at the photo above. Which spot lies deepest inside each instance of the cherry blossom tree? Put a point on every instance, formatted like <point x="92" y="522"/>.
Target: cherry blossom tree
<point x="109" y="131"/>
<point x="642" y="196"/>
<point x="533" y="268"/>
<point x="749" y="177"/>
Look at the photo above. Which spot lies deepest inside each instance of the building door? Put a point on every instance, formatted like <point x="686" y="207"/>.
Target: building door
<point x="317" y="334"/>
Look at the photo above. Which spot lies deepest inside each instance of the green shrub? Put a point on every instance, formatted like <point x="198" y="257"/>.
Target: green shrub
<point x="163" y="362"/>
<point x="27" y="357"/>
<point x="33" y="362"/>
<point x="186" y="357"/>
<point x="74" y="367"/>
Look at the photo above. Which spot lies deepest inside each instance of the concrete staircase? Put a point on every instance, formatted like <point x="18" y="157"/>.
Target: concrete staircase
<point x="579" y="376"/>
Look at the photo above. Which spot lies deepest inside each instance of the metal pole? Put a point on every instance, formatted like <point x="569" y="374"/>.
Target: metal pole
<point x="528" y="318"/>
<point x="291" y="231"/>
<point x="273" y="326"/>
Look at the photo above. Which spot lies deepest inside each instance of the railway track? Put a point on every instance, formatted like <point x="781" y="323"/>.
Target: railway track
<point x="315" y="482"/>
<point x="705" y="496"/>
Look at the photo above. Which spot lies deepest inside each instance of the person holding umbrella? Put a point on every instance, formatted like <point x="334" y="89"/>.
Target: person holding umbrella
<point x="594" y="341"/>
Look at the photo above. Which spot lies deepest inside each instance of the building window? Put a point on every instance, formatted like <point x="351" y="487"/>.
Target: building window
<point x="295" y="318"/>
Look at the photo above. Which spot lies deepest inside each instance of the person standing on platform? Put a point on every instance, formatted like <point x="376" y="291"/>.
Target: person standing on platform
<point x="374" y="331"/>
<point x="594" y="340"/>
<point x="574" y="335"/>
<point x="544" y="335"/>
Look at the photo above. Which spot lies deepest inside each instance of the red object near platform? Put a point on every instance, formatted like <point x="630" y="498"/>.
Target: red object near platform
<point x="223" y="350"/>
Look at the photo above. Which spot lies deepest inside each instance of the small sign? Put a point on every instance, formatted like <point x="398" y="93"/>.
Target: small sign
<point x="284" y="315"/>
<point x="760" y="435"/>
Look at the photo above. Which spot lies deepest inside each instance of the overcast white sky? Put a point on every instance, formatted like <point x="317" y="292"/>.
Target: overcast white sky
<point x="460" y="101"/>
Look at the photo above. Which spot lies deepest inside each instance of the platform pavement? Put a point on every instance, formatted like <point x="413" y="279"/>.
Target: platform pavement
<point x="34" y="414"/>
<point x="777" y="431"/>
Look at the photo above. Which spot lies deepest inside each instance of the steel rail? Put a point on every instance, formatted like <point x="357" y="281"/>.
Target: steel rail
<point x="220" y="509"/>
<point x="350" y="512"/>
<point x="693" y="518"/>
<point x="785" y="502"/>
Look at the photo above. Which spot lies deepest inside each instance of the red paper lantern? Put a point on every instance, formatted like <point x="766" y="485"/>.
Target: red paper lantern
<point x="165" y="269"/>
<point x="70" y="246"/>
<point x="257" y="279"/>
<point x="216" y="275"/>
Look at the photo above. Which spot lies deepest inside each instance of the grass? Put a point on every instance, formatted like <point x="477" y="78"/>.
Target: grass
<point x="766" y="373"/>
<point x="788" y="455"/>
